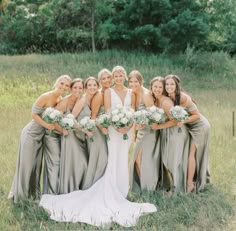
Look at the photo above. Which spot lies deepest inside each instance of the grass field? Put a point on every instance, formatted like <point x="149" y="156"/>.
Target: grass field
<point x="212" y="85"/>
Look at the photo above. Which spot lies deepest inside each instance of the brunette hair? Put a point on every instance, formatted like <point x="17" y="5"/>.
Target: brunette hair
<point x="88" y="79"/>
<point x="76" y="80"/>
<point x="178" y="87"/>
<point x="159" y="79"/>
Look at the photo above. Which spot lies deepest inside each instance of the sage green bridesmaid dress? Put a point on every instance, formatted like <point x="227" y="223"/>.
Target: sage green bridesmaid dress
<point x="150" y="170"/>
<point x="175" y="143"/>
<point x="98" y="155"/>
<point x="73" y="164"/>
<point x="51" y="155"/>
<point x="200" y="136"/>
<point x="26" y="182"/>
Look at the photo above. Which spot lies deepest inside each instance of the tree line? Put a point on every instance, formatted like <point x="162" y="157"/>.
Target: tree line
<point x="168" y="26"/>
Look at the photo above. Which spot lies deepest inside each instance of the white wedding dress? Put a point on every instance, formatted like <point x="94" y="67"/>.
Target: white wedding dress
<point x="105" y="202"/>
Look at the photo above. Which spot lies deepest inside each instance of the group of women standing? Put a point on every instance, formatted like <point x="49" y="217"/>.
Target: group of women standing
<point x="86" y="181"/>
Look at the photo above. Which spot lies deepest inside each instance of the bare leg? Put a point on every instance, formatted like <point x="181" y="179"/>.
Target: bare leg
<point x="191" y="168"/>
<point x="171" y="181"/>
<point x="138" y="162"/>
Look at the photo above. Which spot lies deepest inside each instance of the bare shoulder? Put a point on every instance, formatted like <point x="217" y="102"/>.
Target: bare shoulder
<point x="43" y="99"/>
<point x="185" y="99"/>
<point x="62" y="105"/>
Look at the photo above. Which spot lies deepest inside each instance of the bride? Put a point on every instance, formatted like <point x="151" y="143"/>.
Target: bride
<point x="105" y="202"/>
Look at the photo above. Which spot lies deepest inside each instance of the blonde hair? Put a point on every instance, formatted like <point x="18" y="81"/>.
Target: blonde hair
<point x="103" y="71"/>
<point x="119" y="69"/>
<point x="67" y="77"/>
<point x="137" y="75"/>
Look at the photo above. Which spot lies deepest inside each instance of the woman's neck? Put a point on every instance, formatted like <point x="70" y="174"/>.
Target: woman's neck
<point x="119" y="87"/>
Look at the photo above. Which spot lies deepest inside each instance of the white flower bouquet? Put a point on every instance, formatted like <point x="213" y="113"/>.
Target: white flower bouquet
<point x="87" y="124"/>
<point x="141" y="117"/>
<point x="156" y="115"/>
<point x="51" y="115"/>
<point x="67" y="122"/>
<point x="104" y="120"/>
<point x="122" y="117"/>
<point x="179" y="113"/>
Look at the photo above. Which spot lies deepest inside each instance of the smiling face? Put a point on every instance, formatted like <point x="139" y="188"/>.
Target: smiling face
<point x="157" y="88"/>
<point x="134" y="83"/>
<point x="91" y="86"/>
<point x="118" y="77"/>
<point x="77" y="89"/>
<point x="105" y="80"/>
<point x="170" y="86"/>
<point x="63" y="85"/>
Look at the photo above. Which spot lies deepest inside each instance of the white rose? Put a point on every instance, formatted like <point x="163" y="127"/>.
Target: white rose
<point x="121" y="115"/>
<point x="70" y="116"/>
<point x="157" y="117"/>
<point x="52" y="115"/>
<point x="115" y="118"/>
<point x="138" y="113"/>
<point x="152" y="109"/>
<point x="124" y="121"/>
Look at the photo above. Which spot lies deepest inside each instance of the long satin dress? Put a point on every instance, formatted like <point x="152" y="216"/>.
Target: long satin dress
<point x="98" y="152"/>
<point x="73" y="164"/>
<point x="200" y="136"/>
<point x="26" y="182"/>
<point x="105" y="201"/>
<point x="174" y="154"/>
<point x="51" y="155"/>
<point x="150" y="170"/>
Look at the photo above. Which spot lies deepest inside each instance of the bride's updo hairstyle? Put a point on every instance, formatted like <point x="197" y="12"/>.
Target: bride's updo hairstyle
<point x="119" y="69"/>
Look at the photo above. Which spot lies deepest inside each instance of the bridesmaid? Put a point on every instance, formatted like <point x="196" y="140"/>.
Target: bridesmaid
<point x="174" y="145"/>
<point x="73" y="162"/>
<point x="82" y="109"/>
<point x="199" y="130"/>
<point x="98" y="149"/>
<point x="145" y="161"/>
<point x="26" y="183"/>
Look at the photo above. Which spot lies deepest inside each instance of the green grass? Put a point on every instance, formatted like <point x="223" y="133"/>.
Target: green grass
<point x="211" y="83"/>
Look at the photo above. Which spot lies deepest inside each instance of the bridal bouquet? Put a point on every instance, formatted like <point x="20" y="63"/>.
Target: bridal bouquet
<point x="87" y="124"/>
<point x="141" y="117"/>
<point x="178" y="113"/>
<point x="156" y="115"/>
<point x="67" y="122"/>
<point x="104" y="120"/>
<point x="122" y="117"/>
<point x="51" y="115"/>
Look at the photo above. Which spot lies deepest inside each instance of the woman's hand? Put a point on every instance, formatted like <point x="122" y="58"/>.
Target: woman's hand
<point x="180" y="124"/>
<point x="123" y="130"/>
<point x="65" y="132"/>
<point x="104" y="131"/>
<point x="51" y="127"/>
<point x="155" y="126"/>
<point x="140" y="126"/>
<point x="88" y="133"/>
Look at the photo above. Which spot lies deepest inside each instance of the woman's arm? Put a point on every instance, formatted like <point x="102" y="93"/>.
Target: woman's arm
<point x="107" y="100"/>
<point x="96" y="103"/>
<point x="42" y="102"/>
<point x="185" y="102"/>
<point x="78" y="106"/>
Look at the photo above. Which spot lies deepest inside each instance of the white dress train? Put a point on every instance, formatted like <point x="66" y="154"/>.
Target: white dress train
<point x="105" y="202"/>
